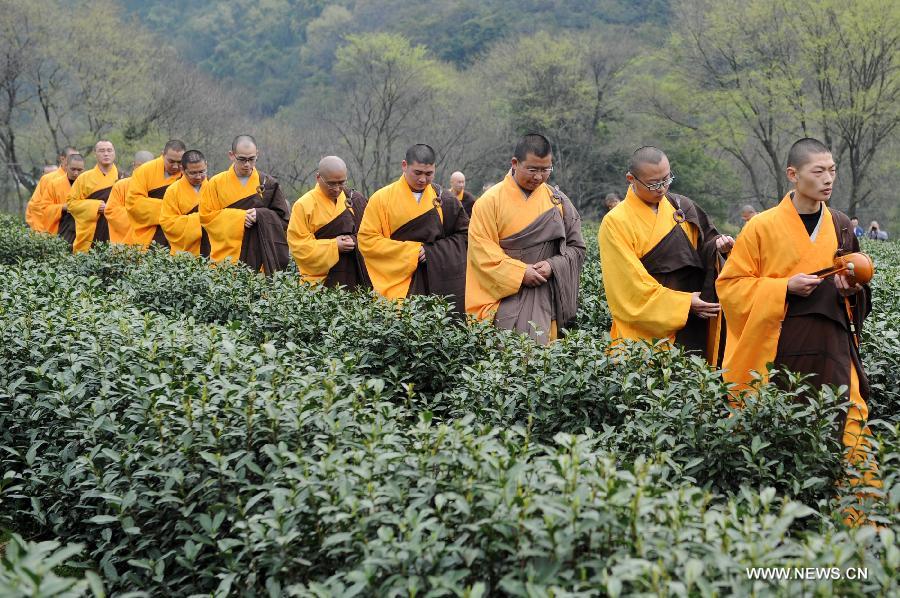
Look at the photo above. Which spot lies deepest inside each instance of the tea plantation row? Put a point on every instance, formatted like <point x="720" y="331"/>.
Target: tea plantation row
<point x="200" y="430"/>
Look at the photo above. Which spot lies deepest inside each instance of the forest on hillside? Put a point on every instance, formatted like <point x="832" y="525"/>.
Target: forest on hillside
<point x="724" y="87"/>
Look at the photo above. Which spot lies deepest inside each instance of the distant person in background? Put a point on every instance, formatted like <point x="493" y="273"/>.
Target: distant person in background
<point x="858" y="231"/>
<point x="146" y="190"/>
<point x="747" y="212"/>
<point x="179" y="216"/>
<point x="32" y="216"/>
<point x="876" y="233"/>
<point x="458" y="186"/>
<point x="612" y="200"/>
<point x="322" y="233"/>
<point x="51" y="207"/>
<point x="87" y="200"/>
<point x="116" y="214"/>
<point x="245" y="213"/>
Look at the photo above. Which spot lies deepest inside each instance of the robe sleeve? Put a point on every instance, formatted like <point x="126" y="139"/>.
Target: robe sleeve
<point x="496" y="274"/>
<point x="635" y="298"/>
<point x="143" y="210"/>
<point x="46" y="211"/>
<point x="314" y="257"/>
<point x="182" y="230"/>
<point x="566" y="267"/>
<point x="35" y="210"/>
<point x="753" y="305"/>
<point x="85" y="212"/>
<point x="117" y="215"/>
<point x="389" y="262"/>
<point x="225" y="226"/>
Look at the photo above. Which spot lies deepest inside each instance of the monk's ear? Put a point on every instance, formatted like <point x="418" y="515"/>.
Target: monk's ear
<point x="629" y="177"/>
<point x="791" y="173"/>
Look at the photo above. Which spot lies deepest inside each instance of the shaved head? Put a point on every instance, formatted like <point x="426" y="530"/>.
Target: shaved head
<point x="645" y="155"/>
<point x="803" y="150"/>
<point x="332" y="167"/>
<point x="243" y="142"/>
<point x="142" y="157"/>
<point x="458" y="182"/>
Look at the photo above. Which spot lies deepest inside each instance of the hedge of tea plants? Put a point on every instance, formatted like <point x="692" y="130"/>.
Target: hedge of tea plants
<point x="199" y="430"/>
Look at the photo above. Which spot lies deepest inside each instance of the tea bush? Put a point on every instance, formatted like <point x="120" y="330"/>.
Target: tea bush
<point x="207" y="430"/>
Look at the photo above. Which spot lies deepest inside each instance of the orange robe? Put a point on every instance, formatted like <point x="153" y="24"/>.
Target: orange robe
<point x="116" y="214"/>
<point x="49" y="205"/>
<point x="148" y="185"/>
<point x="774" y="246"/>
<point x="314" y="257"/>
<point x="391" y="263"/>
<point x="180" y="216"/>
<point x="90" y="189"/>
<point x="33" y="216"/>
<point x="641" y="307"/>
<point x="225" y="225"/>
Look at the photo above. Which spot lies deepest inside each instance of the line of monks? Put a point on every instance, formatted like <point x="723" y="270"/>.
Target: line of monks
<point x="514" y="256"/>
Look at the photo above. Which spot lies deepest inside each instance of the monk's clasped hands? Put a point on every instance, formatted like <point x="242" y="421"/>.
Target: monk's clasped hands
<point x="703" y="309"/>
<point x="724" y="243"/>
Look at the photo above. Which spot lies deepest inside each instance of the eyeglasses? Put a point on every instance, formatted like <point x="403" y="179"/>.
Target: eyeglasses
<point x="245" y="159"/>
<point x="532" y="170"/>
<point x="656" y="186"/>
<point x="333" y="184"/>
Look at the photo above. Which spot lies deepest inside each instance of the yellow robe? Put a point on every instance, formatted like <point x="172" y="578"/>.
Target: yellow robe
<point x="225" y="225"/>
<point x="641" y="307"/>
<point x="182" y="228"/>
<point x="391" y="264"/>
<point x="501" y="212"/>
<point x="49" y="205"/>
<point x="314" y="257"/>
<point x="33" y="215"/>
<point x="117" y="215"/>
<point x="142" y="208"/>
<point x="83" y="206"/>
<point x="774" y="246"/>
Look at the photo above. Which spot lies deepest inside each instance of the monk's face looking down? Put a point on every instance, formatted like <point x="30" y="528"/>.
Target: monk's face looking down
<point x="533" y="171"/>
<point x="244" y="158"/>
<point x="172" y="161"/>
<point x="195" y="173"/>
<point x="106" y="153"/>
<point x="417" y="175"/>
<point x="74" y="168"/>
<point x="649" y="175"/>
<point x="814" y="180"/>
<point x="331" y="183"/>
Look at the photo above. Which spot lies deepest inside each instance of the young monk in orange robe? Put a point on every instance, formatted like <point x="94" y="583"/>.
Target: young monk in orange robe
<point x="145" y="193"/>
<point x="526" y="250"/>
<point x="51" y="206"/>
<point x="33" y="215"/>
<point x="116" y="213"/>
<point x="87" y="199"/>
<point x="179" y="217"/>
<point x="778" y="311"/>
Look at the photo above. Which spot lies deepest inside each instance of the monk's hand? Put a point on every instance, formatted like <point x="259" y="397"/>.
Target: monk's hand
<point x="724" y="243"/>
<point x="421" y="255"/>
<point x="345" y="243"/>
<point x="102" y="207"/>
<point x="532" y="277"/>
<point x="703" y="309"/>
<point x="803" y="284"/>
<point x="250" y="218"/>
<point x="65" y="208"/>
<point x="544" y="269"/>
<point x="844" y="287"/>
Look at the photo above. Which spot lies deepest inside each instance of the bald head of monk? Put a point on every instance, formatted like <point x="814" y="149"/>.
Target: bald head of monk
<point x="106" y="154"/>
<point x="74" y="166"/>
<point x="331" y="176"/>
<point x="64" y="155"/>
<point x="458" y="182"/>
<point x="243" y="155"/>
<point x="532" y="161"/>
<point x="649" y="174"/>
<point x="171" y="155"/>
<point x="747" y="212"/>
<point x="141" y="157"/>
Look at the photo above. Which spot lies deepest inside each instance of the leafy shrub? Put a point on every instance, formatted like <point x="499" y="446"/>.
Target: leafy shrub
<point x="18" y="243"/>
<point x="27" y="569"/>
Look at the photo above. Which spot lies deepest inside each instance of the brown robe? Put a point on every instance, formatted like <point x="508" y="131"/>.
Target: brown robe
<point x="67" y="228"/>
<point x="265" y="243"/>
<point x="159" y="236"/>
<point x="204" y="238"/>
<point x="677" y="265"/>
<point x="817" y="334"/>
<point x="556" y="238"/>
<point x="101" y="233"/>
<point x="445" y="244"/>
<point x="350" y="270"/>
<point x="468" y="201"/>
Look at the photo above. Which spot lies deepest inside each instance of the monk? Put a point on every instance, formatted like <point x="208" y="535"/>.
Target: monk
<point x="413" y="235"/>
<point x="458" y="186"/>
<point x="778" y="311"/>
<point x="323" y="228"/>
<point x="51" y="206"/>
<point x="145" y="192"/>
<point x="747" y="212"/>
<point x="179" y="216"/>
<point x="526" y="250"/>
<point x="244" y="212"/>
<point x="33" y="217"/>
<point x="116" y="213"/>
<point x="87" y="199"/>
<point x="659" y="254"/>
